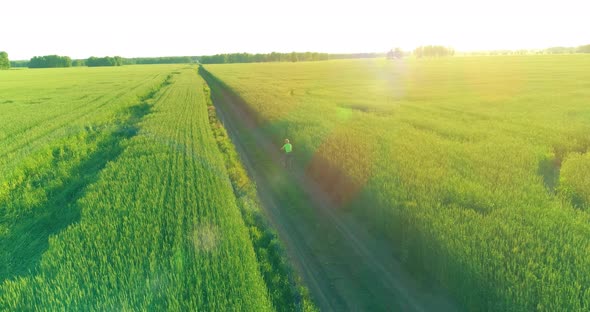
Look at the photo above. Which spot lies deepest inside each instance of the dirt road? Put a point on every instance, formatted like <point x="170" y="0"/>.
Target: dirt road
<point x="345" y="267"/>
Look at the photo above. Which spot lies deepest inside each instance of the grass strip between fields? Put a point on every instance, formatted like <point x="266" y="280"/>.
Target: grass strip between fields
<point x="286" y="289"/>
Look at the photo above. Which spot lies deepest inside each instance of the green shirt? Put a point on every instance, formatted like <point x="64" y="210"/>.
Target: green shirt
<point x="288" y="148"/>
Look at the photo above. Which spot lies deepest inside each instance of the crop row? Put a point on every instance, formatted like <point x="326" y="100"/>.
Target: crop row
<point x="159" y="228"/>
<point x="476" y="168"/>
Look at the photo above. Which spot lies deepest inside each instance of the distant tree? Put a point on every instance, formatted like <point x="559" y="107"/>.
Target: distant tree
<point x="104" y="61"/>
<point x="50" y="61"/>
<point x="259" y="58"/>
<point x="433" y="51"/>
<point x="559" y="50"/>
<point x="419" y="52"/>
<point x="584" y="49"/>
<point x="19" y="63"/>
<point x="77" y="63"/>
<point x="4" y="61"/>
<point x="275" y="57"/>
<point x="395" y="54"/>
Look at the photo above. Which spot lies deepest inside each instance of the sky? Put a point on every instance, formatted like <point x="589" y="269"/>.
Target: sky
<point x="80" y="28"/>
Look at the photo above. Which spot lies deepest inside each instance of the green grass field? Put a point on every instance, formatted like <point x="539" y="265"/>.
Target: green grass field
<point x="115" y="196"/>
<point x="476" y="167"/>
<point x="120" y="189"/>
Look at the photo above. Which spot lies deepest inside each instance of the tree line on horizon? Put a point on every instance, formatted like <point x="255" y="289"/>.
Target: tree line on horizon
<point x="103" y="61"/>
<point x="54" y="60"/>
<point x="49" y="61"/>
<point x="229" y="58"/>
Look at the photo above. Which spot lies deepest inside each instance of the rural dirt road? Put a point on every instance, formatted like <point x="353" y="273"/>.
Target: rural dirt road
<point x="345" y="267"/>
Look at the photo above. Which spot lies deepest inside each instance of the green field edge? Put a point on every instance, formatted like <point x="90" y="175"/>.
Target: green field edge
<point x="286" y="288"/>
